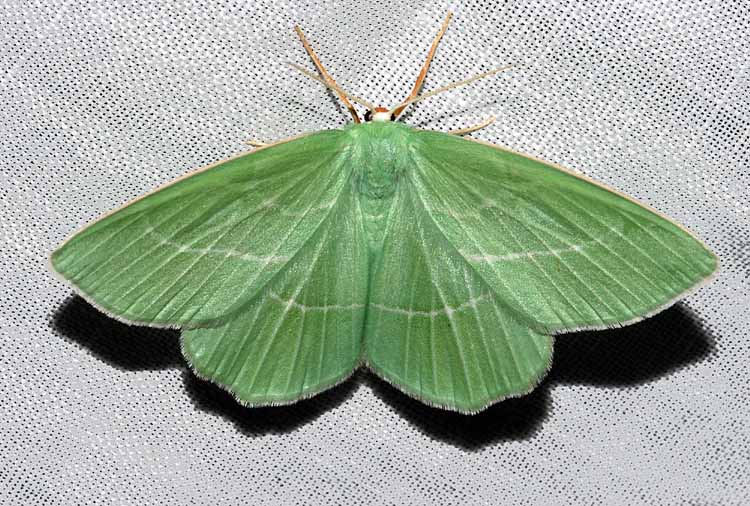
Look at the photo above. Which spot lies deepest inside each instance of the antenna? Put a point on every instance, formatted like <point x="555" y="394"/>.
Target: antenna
<point x="335" y="87"/>
<point x="423" y="73"/>
<point x="328" y="80"/>
<point x="448" y="87"/>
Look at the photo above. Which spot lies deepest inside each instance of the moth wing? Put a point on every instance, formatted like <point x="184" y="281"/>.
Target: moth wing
<point x="195" y="250"/>
<point x="303" y="332"/>
<point x="563" y="251"/>
<point x="435" y="328"/>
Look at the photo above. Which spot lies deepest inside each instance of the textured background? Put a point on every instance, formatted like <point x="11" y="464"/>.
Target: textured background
<point x="102" y="102"/>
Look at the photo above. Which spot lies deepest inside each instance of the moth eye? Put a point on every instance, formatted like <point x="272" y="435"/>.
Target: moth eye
<point x="368" y="115"/>
<point x="393" y="117"/>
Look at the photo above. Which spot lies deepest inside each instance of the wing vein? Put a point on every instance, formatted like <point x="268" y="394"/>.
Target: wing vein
<point x="538" y="266"/>
<point x="444" y="301"/>
<point x="244" y="238"/>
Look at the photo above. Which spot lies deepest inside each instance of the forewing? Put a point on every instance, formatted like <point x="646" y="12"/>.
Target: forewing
<point x="435" y="329"/>
<point x="199" y="248"/>
<point x="565" y="252"/>
<point x="303" y="332"/>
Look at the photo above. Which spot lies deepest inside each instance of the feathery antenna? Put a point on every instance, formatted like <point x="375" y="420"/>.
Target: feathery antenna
<point x="423" y="73"/>
<point x="328" y="80"/>
<point x="338" y="89"/>
<point x="447" y="87"/>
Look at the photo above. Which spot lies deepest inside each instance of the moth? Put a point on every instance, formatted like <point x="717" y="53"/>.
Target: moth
<point x="442" y="264"/>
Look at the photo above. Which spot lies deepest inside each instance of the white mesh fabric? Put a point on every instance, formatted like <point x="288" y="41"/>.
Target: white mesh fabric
<point x="103" y="101"/>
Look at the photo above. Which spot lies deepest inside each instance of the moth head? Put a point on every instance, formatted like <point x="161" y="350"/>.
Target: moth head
<point x="380" y="114"/>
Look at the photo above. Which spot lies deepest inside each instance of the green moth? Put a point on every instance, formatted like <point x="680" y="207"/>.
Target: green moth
<point x="442" y="264"/>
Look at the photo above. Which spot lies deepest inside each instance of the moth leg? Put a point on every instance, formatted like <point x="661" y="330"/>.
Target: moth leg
<point x="473" y="128"/>
<point x="426" y="66"/>
<point x="257" y="144"/>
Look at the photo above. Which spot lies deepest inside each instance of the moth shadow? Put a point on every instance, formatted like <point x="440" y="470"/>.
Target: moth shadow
<point x="126" y="347"/>
<point x="615" y="358"/>
<point x="512" y="419"/>
<point x="210" y="398"/>
<point x="136" y="348"/>
<point x="635" y="354"/>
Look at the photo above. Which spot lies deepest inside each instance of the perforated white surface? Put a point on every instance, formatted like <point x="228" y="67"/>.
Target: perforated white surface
<point x="102" y="102"/>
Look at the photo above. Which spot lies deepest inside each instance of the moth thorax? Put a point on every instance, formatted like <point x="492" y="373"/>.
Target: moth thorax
<point x="377" y="182"/>
<point x="378" y="174"/>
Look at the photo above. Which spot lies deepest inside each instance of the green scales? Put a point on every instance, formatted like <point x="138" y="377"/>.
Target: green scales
<point x="443" y="264"/>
